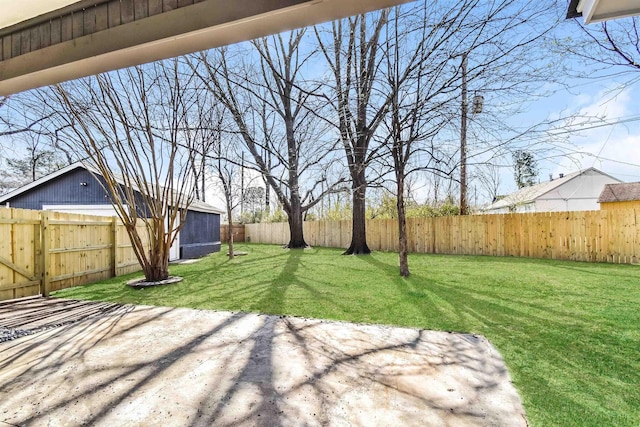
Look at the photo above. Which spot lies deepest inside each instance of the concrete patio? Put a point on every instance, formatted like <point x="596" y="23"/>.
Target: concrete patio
<point x="85" y="363"/>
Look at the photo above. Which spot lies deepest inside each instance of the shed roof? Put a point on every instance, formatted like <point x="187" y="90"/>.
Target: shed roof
<point x="623" y="192"/>
<point x="195" y="205"/>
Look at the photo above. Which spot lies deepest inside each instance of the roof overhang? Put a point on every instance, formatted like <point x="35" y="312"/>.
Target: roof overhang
<point x="602" y="10"/>
<point x="49" y="41"/>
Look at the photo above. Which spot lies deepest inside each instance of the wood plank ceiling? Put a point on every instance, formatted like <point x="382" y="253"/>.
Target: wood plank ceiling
<point x="93" y="36"/>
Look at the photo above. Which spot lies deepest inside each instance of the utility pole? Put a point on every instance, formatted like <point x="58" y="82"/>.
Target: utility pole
<point x="322" y="199"/>
<point x="242" y="186"/>
<point x="463" y="140"/>
<point x="202" y="178"/>
<point x="267" y="189"/>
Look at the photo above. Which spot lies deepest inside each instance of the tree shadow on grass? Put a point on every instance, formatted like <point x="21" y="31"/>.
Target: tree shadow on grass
<point x="551" y="348"/>
<point x="270" y="290"/>
<point x="416" y="291"/>
<point x="273" y="297"/>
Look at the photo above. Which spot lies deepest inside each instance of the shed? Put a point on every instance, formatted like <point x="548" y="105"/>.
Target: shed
<point x="625" y="195"/>
<point x="74" y="189"/>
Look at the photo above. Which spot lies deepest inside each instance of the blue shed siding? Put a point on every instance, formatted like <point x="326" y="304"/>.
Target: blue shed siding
<point x="64" y="190"/>
<point x="200" y="234"/>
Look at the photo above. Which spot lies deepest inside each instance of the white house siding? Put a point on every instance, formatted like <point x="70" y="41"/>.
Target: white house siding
<point x="99" y="210"/>
<point x="577" y="191"/>
<point x="497" y="211"/>
<point x="578" y="194"/>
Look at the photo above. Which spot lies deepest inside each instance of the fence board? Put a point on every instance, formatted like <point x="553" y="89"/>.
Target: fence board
<point x="46" y="251"/>
<point x="238" y="233"/>
<point x="18" y="250"/>
<point x="594" y="236"/>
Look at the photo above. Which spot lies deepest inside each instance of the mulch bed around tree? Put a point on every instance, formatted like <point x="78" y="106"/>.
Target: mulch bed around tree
<point x="142" y="283"/>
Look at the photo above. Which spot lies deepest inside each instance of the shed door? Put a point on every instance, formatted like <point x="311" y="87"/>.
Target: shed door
<point x="174" y="250"/>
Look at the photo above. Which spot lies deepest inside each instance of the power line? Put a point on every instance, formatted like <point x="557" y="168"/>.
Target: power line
<point x="603" y="145"/>
<point x="618" y="121"/>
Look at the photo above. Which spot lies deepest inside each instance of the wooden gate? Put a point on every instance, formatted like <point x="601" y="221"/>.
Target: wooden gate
<point x="41" y="252"/>
<point x="20" y="253"/>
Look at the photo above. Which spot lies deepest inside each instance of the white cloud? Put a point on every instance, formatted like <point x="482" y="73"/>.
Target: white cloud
<point x="613" y="149"/>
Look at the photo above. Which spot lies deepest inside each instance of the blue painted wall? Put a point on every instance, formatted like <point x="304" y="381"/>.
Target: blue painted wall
<point x="64" y="190"/>
<point x="200" y="235"/>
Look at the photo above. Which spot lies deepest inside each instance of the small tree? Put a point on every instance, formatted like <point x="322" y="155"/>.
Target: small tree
<point x="40" y="157"/>
<point x="227" y="173"/>
<point x="525" y="168"/>
<point x="226" y="166"/>
<point x="128" y="126"/>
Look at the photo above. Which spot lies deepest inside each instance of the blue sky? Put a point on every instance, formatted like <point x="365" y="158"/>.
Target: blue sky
<point x="610" y="142"/>
<point x="614" y="149"/>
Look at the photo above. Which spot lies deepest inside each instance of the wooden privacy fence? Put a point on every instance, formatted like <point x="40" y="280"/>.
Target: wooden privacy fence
<point x="46" y="251"/>
<point x="596" y="236"/>
<point x="238" y="233"/>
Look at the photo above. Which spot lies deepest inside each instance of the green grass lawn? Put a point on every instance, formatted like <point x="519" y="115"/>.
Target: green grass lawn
<point x="569" y="332"/>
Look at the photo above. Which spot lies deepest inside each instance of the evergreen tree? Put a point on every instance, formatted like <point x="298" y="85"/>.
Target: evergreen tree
<point x="525" y="168"/>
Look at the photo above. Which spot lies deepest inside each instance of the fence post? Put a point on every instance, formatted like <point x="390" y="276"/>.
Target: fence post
<point x="46" y="242"/>
<point x="114" y="245"/>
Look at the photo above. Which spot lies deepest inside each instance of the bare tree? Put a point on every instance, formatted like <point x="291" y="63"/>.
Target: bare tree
<point x="18" y="116"/>
<point x="41" y="157"/>
<point x="426" y="49"/>
<point x="352" y="53"/>
<point x="224" y="160"/>
<point x="488" y="176"/>
<point x="28" y="141"/>
<point x="612" y="45"/>
<point x="130" y="127"/>
<point x="273" y="113"/>
<point x="227" y="171"/>
<point x="416" y="78"/>
<point x="31" y="156"/>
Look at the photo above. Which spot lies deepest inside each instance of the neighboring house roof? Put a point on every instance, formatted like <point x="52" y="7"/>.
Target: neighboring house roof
<point x="623" y="192"/>
<point x="195" y="205"/>
<point x="572" y="12"/>
<point x="528" y="195"/>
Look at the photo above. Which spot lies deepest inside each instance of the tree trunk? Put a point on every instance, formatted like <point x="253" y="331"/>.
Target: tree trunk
<point x="156" y="273"/>
<point x="230" y="225"/>
<point x="359" y="228"/>
<point x="158" y="268"/>
<point x="267" y="191"/>
<point x="463" y="140"/>
<point x="203" y="179"/>
<point x="295" y="228"/>
<point x="402" y="231"/>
